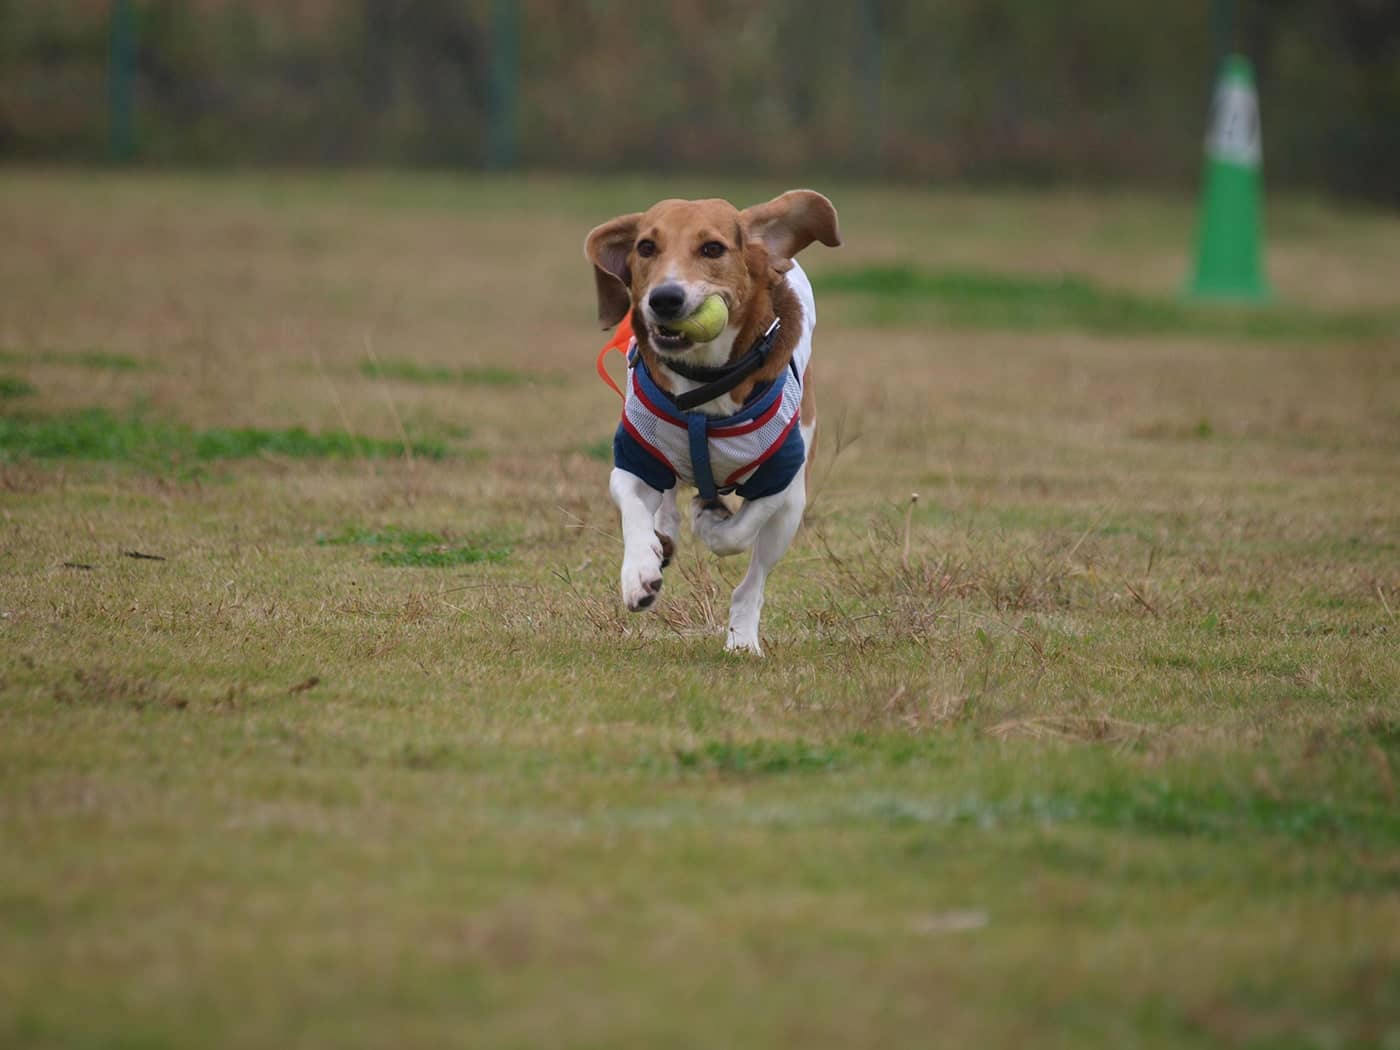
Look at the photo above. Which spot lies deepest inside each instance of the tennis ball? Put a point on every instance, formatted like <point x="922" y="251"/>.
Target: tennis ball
<point x="705" y="323"/>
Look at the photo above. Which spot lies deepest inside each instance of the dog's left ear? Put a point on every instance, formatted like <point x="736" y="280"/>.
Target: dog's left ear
<point x="607" y="248"/>
<point x="789" y="223"/>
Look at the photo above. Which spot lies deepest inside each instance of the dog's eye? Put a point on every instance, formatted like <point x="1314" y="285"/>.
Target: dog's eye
<point x="712" y="249"/>
<point x="646" y="248"/>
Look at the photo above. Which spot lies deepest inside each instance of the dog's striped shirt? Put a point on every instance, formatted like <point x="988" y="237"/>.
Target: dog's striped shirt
<point x="755" y="452"/>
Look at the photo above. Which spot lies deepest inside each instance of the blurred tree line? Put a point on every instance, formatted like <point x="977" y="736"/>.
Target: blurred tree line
<point x="1003" y="90"/>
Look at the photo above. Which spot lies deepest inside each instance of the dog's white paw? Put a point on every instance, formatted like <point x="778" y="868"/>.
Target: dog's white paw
<point x="641" y="580"/>
<point x="743" y="642"/>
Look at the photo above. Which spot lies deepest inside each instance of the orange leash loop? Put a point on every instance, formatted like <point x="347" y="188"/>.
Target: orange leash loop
<point x="620" y="341"/>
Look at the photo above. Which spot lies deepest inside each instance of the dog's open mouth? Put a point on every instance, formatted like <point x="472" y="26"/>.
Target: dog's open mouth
<point x="669" y="340"/>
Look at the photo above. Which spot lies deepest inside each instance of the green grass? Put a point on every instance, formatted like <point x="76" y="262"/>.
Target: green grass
<point x="762" y="757"/>
<point x="12" y="387"/>
<point x="899" y="294"/>
<point x="95" y="359"/>
<point x="413" y="372"/>
<point x="1095" y="744"/>
<point x="97" y="434"/>
<point x="418" y="549"/>
<point x="601" y="450"/>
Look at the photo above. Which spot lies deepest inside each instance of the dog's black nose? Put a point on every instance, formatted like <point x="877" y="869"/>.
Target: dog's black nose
<point x="667" y="301"/>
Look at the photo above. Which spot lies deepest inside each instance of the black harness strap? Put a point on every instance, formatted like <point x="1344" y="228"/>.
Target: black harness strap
<point x="719" y="381"/>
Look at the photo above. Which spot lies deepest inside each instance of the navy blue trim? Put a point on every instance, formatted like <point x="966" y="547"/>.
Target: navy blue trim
<point x="629" y="455"/>
<point x="777" y="471"/>
<point x="774" y="475"/>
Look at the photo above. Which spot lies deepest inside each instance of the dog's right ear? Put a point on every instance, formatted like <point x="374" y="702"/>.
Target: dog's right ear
<point x="789" y="223"/>
<point x="607" y="248"/>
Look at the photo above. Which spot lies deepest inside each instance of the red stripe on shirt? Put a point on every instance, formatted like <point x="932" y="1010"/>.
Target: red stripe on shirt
<point x="750" y="427"/>
<point x="734" y="478"/>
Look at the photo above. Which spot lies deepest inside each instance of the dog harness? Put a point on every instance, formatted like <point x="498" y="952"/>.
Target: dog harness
<point x="755" y="452"/>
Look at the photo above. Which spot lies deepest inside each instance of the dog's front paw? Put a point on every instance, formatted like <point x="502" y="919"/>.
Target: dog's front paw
<point x="641" y="581"/>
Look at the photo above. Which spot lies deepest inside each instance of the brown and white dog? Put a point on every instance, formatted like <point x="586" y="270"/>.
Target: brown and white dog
<point x="661" y="265"/>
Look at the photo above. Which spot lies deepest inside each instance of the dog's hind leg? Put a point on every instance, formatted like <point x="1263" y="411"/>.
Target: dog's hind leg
<point x="808" y="422"/>
<point x="770" y="539"/>
<point x="668" y="525"/>
<point x="769" y="546"/>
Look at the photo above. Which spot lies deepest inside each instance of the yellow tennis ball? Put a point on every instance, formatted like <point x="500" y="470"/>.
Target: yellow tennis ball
<point x="705" y="323"/>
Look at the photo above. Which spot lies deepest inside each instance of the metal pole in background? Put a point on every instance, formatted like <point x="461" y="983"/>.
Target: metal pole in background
<point x="502" y="130"/>
<point x="121" y="82"/>
<point x="871" y="66"/>
<point x="1222" y="35"/>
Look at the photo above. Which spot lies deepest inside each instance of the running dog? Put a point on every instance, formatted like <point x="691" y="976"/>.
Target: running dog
<point x="734" y="414"/>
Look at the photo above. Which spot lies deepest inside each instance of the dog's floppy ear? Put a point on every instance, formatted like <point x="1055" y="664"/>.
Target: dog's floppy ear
<point x="607" y="248"/>
<point x="789" y="223"/>
<point x="763" y="267"/>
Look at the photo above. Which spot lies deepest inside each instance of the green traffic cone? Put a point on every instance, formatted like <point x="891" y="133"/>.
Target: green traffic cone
<point x="1228" y="244"/>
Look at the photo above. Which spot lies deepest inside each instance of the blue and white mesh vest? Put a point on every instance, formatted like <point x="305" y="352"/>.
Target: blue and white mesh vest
<point x="756" y="452"/>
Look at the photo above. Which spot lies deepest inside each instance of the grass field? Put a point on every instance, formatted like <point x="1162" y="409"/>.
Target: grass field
<point x="321" y="723"/>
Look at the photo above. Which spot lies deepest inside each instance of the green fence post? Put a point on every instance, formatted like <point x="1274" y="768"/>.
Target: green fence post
<point x="1228" y="244"/>
<point x="121" y="82"/>
<point x="503" y="120"/>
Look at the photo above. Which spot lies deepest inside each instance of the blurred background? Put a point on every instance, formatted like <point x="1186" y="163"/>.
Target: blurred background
<point x="1003" y="91"/>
